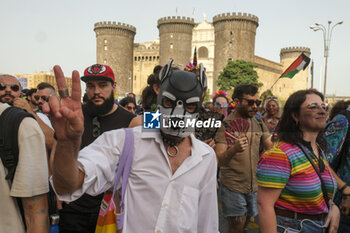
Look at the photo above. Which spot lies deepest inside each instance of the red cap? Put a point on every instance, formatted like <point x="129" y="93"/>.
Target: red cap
<point x="98" y="72"/>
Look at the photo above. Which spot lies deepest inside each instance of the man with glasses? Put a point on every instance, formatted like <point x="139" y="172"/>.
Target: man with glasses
<point x="101" y="114"/>
<point x="238" y="184"/>
<point x="30" y="182"/>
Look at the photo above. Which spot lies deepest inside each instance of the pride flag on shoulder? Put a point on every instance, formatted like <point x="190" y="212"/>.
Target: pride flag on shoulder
<point x="299" y="64"/>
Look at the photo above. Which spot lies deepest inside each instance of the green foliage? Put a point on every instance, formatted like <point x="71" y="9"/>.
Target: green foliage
<point x="265" y="94"/>
<point x="236" y="73"/>
<point x="207" y="96"/>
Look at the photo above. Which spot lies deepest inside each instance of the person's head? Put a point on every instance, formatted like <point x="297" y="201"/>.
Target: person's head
<point x="179" y="99"/>
<point x="245" y="97"/>
<point x="31" y="97"/>
<point x="43" y="93"/>
<point x="150" y="92"/>
<point x="10" y="88"/>
<point x="129" y="104"/>
<point x="271" y="106"/>
<point x="132" y="95"/>
<point x="338" y="107"/>
<point x="220" y="102"/>
<point x="100" y="88"/>
<point x="304" y="112"/>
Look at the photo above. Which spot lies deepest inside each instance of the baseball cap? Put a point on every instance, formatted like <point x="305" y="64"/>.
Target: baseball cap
<point x="98" y="72"/>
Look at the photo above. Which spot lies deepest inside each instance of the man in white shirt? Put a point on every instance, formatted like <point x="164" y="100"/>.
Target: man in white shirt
<point x="172" y="182"/>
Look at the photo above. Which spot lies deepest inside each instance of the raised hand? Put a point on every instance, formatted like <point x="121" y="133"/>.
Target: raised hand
<point x="65" y="113"/>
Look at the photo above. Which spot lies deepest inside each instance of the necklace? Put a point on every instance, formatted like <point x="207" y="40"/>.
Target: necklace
<point x="171" y="144"/>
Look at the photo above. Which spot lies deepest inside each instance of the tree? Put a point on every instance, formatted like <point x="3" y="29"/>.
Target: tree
<point x="236" y="73"/>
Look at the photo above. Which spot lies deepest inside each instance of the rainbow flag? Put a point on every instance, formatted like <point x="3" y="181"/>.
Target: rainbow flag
<point x="299" y="64"/>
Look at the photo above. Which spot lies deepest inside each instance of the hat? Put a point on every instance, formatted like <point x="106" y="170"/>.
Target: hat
<point x="98" y="72"/>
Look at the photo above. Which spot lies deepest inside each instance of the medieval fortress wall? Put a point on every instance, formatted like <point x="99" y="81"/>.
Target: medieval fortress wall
<point x="230" y="36"/>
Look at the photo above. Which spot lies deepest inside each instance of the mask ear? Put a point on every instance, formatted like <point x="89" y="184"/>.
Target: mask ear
<point x="165" y="71"/>
<point x="202" y="76"/>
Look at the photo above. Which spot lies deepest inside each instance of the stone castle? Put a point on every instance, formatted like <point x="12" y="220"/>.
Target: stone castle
<point x="230" y="36"/>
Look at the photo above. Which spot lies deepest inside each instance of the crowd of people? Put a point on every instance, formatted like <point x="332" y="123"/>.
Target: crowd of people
<point x="289" y="165"/>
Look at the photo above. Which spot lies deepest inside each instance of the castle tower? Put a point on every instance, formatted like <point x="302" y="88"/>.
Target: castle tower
<point x="115" y="44"/>
<point x="287" y="86"/>
<point x="175" y="38"/>
<point x="234" y="39"/>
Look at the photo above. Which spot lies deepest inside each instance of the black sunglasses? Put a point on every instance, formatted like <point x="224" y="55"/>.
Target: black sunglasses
<point x="43" y="97"/>
<point x="129" y="108"/>
<point x="96" y="130"/>
<point x="252" y="102"/>
<point x="14" y="87"/>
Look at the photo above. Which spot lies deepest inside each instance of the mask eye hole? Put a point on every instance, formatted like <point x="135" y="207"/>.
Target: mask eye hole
<point x="168" y="103"/>
<point x="191" y="107"/>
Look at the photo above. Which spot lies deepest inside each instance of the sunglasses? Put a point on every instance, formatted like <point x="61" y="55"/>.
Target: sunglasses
<point x="131" y="108"/>
<point x="218" y="104"/>
<point x="252" y="102"/>
<point x="14" y="87"/>
<point x="43" y="97"/>
<point x="96" y="130"/>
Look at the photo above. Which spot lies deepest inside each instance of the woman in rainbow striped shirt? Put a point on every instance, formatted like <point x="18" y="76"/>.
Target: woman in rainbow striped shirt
<point x="296" y="185"/>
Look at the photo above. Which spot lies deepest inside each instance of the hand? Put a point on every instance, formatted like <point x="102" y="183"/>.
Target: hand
<point x="345" y="202"/>
<point x="332" y="222"/>
<point x="210" y="142"/>
<point x="23" y="104"/>
<point x="65" y="114"/>
<point x="241" y="144"/>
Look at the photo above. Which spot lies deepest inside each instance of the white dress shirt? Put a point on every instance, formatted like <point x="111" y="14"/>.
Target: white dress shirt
<point x="156" y="200"/>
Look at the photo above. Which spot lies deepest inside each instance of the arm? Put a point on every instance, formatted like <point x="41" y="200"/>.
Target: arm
<point x="224" y="156"/>
<point x="332" y="222"/>
<point x="48" y="132"/>
<point x="136" y="121"/>
<point x="36" y="214"/>
<point x="267" y="216"/>
<point x="68" y="121"/>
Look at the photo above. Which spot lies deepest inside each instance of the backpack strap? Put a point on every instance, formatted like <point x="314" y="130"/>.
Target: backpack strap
<point x="10" y="120"/>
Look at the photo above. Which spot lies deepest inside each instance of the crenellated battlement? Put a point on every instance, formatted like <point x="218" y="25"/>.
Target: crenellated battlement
<point x="115" y="25"/>
<point x="176" y="20"/>
<point x="236" y="16"/>
<point x="294" y="49"/>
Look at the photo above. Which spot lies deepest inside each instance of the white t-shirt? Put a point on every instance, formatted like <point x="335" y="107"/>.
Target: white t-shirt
<point x="31" y="176"/>
<point x="156" y="200"/>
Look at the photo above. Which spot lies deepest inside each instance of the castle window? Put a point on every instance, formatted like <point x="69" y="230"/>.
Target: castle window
<point x="171" y="46"/>
<point x="105" y="47"/>
<point x="231" y="33"/>
<point x="230" y="58"/>
<point x="230" y="44"/>
<point x="202" y="52"/>
<point x="105" y="41"/>
<point x="139" y="58"/>
<point x="135" y="58"/>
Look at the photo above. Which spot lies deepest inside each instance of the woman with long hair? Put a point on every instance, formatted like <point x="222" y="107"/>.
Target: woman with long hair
<point x="296" y="184"/>
<point x="271" y="118"/>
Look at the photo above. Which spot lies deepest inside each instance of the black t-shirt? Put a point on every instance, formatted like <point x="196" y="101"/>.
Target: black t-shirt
<point x="120" y="118"/>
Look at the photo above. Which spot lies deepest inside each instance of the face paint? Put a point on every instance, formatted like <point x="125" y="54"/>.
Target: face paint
<point x="308" y="112"/>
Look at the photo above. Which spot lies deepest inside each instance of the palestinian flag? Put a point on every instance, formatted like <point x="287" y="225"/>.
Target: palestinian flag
<point x="299" y="64"/>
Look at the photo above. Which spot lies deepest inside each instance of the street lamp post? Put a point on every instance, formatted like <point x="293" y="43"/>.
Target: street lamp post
<point x="327" y="36"/>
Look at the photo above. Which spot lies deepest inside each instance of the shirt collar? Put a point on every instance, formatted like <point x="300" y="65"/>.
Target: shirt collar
<point x="198" y="148"/>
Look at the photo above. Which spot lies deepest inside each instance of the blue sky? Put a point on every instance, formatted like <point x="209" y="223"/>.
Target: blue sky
<point x="37" y="34"/>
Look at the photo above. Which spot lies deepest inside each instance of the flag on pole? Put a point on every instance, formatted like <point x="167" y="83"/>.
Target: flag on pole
<point x="195" y="57"/>
<point x="299" y="64"/>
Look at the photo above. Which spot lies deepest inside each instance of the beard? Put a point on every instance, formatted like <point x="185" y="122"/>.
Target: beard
<point x="99" y="110"/>
<point x="10" y="102"/>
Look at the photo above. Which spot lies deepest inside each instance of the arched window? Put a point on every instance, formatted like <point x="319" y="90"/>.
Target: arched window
<point x="202" y="52"/>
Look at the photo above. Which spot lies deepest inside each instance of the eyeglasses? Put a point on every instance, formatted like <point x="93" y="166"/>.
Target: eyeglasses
<point x="314" y="107"/>
<point x="130" y="108"/>
<point x="252" y="102"/>
<point x="96" y="130"/>
<point x="43" y="97"/>
<point x="14" y="87"/>
<point x="223" y="105"/>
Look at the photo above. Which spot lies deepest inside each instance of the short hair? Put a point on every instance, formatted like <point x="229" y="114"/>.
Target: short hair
<point x="44" y="85"/>
<point x="133" y="94"/>
<point x="338" y="108"/>
<point x="31" y="91"/>
<point x="247" y="89"/>
<point x="288" y="130"/>
<point x="14" y="77"/>
<point x="126" y="100"/>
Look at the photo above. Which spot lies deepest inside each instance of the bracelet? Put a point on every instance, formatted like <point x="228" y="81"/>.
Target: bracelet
<point x="342" y="188"/>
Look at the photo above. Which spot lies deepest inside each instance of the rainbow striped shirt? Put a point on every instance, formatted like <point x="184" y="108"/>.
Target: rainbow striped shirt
<point x="286" y="167"/>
